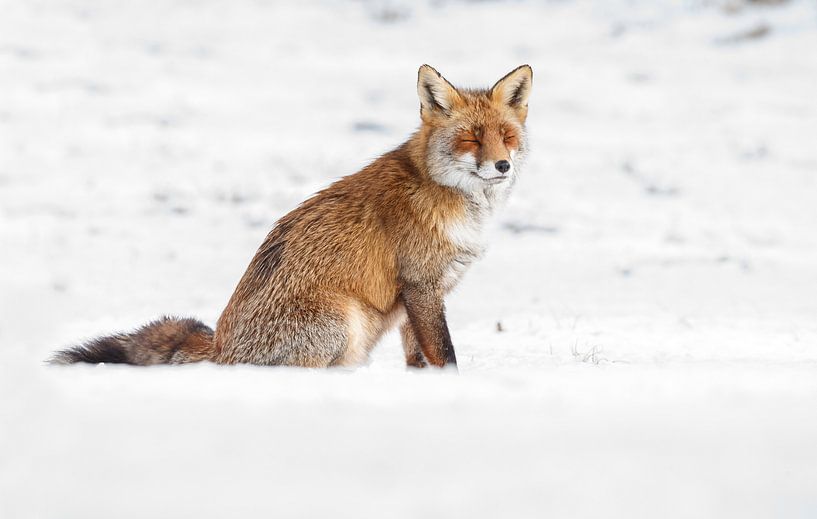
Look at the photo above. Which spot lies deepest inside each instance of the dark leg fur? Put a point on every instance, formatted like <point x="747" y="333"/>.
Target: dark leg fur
<point x="411" y="347"/>
<point x="426" y="316"/>
<point x="164" y="341"/>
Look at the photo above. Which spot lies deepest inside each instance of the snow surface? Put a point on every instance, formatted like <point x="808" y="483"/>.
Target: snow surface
<point x="639" y="341"/>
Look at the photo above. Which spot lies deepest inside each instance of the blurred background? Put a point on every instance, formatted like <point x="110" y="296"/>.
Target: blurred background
<point x="639" y="340"/>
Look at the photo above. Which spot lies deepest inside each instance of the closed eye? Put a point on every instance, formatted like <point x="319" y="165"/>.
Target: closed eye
<point x="471" y="140"/>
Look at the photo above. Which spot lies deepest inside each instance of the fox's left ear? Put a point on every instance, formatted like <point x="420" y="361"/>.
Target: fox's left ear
<point x="513" y="90"/>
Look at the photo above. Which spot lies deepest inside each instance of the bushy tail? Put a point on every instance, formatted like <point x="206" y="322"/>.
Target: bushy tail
<point x="168" y="340"/>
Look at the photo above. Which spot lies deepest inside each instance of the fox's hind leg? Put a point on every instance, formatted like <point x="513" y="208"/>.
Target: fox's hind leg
<point x="362" y="327"/>
<point x="319" y="343"/>
<point x="298" y="333"/>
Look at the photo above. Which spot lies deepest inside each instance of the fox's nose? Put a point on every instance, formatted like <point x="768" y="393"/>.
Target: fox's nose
<point x="503" y="166"/>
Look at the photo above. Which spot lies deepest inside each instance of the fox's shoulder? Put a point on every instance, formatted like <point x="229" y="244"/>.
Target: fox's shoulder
<point x="394" y="184"/>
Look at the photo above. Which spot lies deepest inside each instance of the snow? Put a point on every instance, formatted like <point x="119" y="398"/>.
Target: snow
<point x="640" y="339"/>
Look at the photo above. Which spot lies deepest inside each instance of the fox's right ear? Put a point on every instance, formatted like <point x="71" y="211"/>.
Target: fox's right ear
<point x="436" y="94"/>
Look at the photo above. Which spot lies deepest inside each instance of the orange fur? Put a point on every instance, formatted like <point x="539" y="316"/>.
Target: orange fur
<point x="378" y="248"/>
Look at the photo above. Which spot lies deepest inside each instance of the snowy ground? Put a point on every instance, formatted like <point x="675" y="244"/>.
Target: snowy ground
<point x="640" y="341"/>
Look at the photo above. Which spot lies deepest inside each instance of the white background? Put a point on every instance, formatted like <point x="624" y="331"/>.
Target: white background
<point x="654" y="274"/>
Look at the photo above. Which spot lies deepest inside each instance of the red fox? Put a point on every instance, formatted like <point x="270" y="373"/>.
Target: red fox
<point x="376" y="249"/>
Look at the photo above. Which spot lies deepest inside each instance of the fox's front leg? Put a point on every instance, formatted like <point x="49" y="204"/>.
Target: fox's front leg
<point x="411" y="347"/>
<point x="426" y="317"/>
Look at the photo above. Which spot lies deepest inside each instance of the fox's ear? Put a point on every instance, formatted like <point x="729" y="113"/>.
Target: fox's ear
<point x="514" y="89"/>
<point x="436" y="94"/>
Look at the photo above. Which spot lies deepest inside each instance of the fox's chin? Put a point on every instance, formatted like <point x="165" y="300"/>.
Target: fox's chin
<point x="491" y="180"/>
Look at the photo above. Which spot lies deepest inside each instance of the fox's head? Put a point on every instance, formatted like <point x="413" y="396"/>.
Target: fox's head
<point x="475" y="139"/>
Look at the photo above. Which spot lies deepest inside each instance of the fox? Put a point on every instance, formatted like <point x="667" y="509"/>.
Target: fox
<point x="376" y="250"/>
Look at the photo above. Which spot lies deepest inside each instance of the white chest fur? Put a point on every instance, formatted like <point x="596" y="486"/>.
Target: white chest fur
<point x="466" y="235"/>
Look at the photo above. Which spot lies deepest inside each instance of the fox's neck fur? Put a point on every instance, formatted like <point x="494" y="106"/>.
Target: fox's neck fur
<point x="466" y="204"/>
